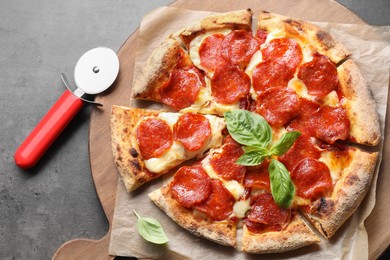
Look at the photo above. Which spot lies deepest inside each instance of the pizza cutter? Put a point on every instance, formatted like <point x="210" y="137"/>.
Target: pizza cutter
<point x="95" y="71"/>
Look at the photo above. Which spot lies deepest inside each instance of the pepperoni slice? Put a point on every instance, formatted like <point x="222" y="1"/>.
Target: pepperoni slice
<point x="331" y="124"/>
<point x="302" y="121"/>
<point x="269" y="74"/>
<point x="210" y="52"/>
<point x="284" y="51"/>
<point x="257" y="176"/>
<point x="257" y="228"/>
<point x="219" y="205"/>
<point x="312" y="179"/>
<point x="278" y="105"/>
<point x="229" y="84"/>
<point x="154" y="137"/>
<point x="224" y="163"/>
<point x="191" y="185"/>
<point x="238" y="47"/>
<point x="319" y="75"/>
<point x="182" y="89"/>
<point x="302" y="148"/>
<point x="265" y="211"/>
<point x="261" y="35"/>
<point x="192" y="130"/>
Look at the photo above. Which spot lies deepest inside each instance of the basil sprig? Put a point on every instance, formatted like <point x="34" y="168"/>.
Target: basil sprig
<point x="151" y="230"/>
<point x="254" y="132"/>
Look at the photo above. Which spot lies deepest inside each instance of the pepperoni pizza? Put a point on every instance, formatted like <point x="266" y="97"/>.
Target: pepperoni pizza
<point x="289" y="73"/>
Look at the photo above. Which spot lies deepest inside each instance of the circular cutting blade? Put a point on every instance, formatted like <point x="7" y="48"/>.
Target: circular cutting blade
<point x="96" y="70"/>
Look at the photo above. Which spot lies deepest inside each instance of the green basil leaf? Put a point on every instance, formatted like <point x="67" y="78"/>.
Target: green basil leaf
<point x="282" y="188"/>
<point x="285" y="142"/>
<point x="248" y="128"/>
<point x="151" y="230"/>
<point x="248" y="149"/>
<point x="252" y="158"/>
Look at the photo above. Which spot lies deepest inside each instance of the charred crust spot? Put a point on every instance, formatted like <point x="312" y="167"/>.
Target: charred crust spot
<point x="125" y="130"/>
<point x="194" y="230"/>
<point x="323" y="206"/>
<point x="119" y="158"/>
<point x="118" y="148"/>
<point x="294" y="23"/>
<point x="352" y="179"/>
<point x="220" y="234"/>
<point x="142" y="179"/>
<point x="135" y="163"/>
<point x="133" y="152"/>
<point x="325" y="38"/>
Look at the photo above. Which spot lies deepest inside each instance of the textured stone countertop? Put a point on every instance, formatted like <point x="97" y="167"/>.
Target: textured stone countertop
<point x="42" y="208"/>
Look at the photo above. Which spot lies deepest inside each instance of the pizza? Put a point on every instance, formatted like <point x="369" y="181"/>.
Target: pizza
<point x="264" y="128"/>
<point x="148" y="143"/>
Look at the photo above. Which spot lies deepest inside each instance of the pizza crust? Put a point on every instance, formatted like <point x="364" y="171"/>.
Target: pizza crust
<point x="324" y="43"/>
<point x="127" y="159"/>
<point x="329" y="214"/>
<point x="156" y="70"/>
<point x="296" y="235"/>
<point x="221" y="232"/>
<point x="359" y="104"/>
<point x="236" y="20"/>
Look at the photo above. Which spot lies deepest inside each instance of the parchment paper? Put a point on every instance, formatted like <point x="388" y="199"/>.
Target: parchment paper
<point x="370" y="47"/>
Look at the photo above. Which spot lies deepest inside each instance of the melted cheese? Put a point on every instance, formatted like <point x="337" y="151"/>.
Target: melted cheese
<point x="234" y="187"/>
<point x="331" y="99"/>
<point x="172" y="157"/>
<point x="256" y="59"/>
<point x="240" y="208"/>
<point x="277" y="133"/>
<point x="336" y="164"/>
<point x="299" y="201"/>
<point x="206" y="104"/>
<point x="299" y="87"/>
<point x="171" y="118"/>
<point x="176" y="154"/>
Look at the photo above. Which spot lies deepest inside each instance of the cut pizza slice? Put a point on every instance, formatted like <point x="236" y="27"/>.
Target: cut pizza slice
<point x="270" y="229"/>
<point x="221" y="46"/>
<point x="148" y="143"/>
<point x="330" y="180"/>
<point x="206" y="74"/>
<point x="351" y="182"/>
<point x="169" y="77"/>
<point x="299" y="63"/>
<point x="199" y="204"/>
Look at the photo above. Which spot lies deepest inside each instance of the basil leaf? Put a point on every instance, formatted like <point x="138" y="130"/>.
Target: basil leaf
<point x="285" y="142"/>
<point x="282" y="188"/>
<point x="248" y="128"/>
<point x="151" y="230"/>
<point x="252" y="158"/>
<point x="248" y="149"/>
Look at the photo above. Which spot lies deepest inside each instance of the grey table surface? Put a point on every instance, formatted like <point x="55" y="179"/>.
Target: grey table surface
<point x="54" y="202"/>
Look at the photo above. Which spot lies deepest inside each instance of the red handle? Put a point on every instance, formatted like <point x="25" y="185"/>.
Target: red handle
<point x="47" y="130"/>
